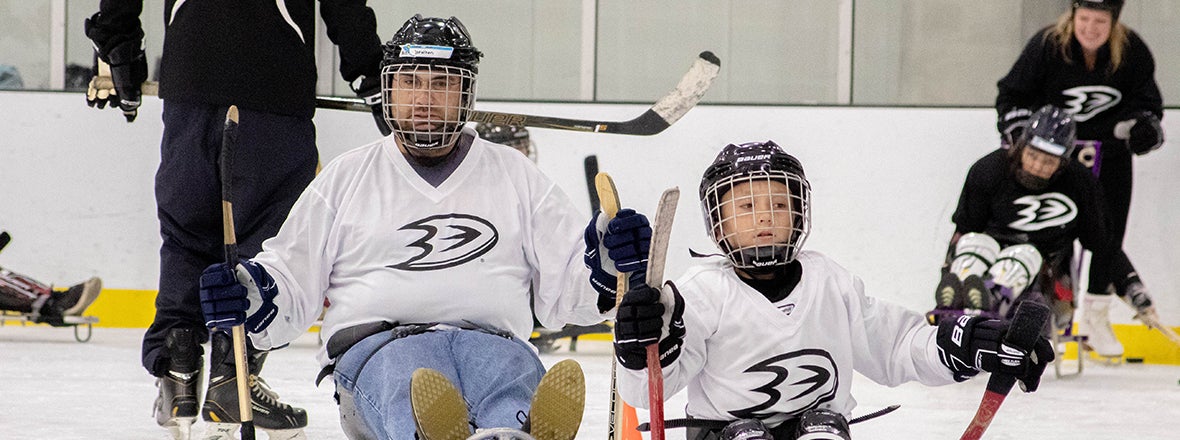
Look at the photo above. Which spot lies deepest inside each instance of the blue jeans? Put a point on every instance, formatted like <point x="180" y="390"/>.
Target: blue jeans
<point x="496" y="375"/>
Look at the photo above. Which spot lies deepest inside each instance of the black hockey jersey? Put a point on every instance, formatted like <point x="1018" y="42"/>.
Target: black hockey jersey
<point x="1050" y="219"/>
<point x="1097" y="98"/>
<point x="254" y="54"/>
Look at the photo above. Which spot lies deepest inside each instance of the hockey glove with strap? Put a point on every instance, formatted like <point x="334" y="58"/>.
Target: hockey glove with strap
<point x="616" y="245"/>
<point x="1012" y="123"/>
<point x="640" y="321"/>
<point x="1142" y="132"/>
<point x="121" y="53"/>
<point x="971" y="344"/>
<point x="235" y="296"/>
<point x="368" y="88"/>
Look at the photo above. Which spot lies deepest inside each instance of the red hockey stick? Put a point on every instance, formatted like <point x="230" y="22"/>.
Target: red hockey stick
<point x="1023" y="333"/>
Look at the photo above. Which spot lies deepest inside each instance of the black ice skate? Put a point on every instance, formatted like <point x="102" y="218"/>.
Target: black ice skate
<point x="177" y="404"/>
<point x="280" y="420"/>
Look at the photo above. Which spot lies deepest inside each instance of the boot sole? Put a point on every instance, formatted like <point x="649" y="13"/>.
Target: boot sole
<point x="90" y="290"/>
<point x="439" y="410"/>
<point x="556" y="411"/>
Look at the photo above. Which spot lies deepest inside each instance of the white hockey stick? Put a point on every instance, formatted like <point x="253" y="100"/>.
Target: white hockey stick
<point x="661" y="234"/>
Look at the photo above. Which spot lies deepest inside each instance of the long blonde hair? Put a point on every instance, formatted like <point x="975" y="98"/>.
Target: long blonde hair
<point x="1062" y="32"/>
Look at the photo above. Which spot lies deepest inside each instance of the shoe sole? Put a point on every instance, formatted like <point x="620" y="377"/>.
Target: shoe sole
<point x="556" y="411"/>
<point x="439" y="410"/>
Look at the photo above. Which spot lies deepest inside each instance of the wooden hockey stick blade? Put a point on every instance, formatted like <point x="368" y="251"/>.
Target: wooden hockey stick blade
<point x="657" y="256"/>
<point x="608" y="197"/>
<point x="1152" y="321"/>
<point x="665" y="112"/>
<point x="228" y="144"/>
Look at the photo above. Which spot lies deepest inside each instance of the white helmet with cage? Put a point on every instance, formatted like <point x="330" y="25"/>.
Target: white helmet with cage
<point x="757" y="205"/>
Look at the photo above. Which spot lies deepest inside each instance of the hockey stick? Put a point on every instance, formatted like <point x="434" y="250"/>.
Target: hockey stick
<point x="1152" y="321"/>
<point x="5" y="238"/>
<point x="608" y="196"/>
<point x="660" y="236"/>
<point x="721" y="424"/>
<point x="660" y="116"/>
<point x="228" y="138"/>
<point x="590" y="167"/>
<point x="1026" y="327"/>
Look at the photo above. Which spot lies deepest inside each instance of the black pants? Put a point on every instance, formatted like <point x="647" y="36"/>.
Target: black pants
<point x="1115" y="177"/>
<point x="274" y="160"/>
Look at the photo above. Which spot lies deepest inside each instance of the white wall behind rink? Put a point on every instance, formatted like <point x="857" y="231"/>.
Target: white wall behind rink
<point x="76" y="184"/>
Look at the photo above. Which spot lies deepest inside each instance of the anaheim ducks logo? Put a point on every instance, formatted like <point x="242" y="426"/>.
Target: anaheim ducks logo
<point x="449" y="240"/>
<point x="802" y="380"/>
<point x="1089" y="101"/>
<point x="1044" y="211"/>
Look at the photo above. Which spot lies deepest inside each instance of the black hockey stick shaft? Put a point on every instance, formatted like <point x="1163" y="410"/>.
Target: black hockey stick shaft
<point x="1026" y="327"/>
<point x="5" y="238"/>
<point x="660" y="116"/>
<point x="229" y="138"/>
<point x="590" y="166"/>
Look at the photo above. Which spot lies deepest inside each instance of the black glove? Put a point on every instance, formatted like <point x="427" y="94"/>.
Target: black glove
<point x="123" y="53"/>
<point x="368" y="88"/>
<point x="618" y="245"/>
<point x="1012" y="124"/>
<point x="970" y="344"/>
<point x="1142" y="132"/>
<point x="640" y="321"/>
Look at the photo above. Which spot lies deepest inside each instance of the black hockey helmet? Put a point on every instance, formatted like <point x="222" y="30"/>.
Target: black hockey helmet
<point x="433" y="41"/>
<point x="514" y="136"/>
<point x="1114" y="6"/>
<point x="1051" y="130"/>
<point x="750" y="162"/>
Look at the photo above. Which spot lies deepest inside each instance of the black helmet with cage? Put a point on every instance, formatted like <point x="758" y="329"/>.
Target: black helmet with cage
<point x="1114" y="6"/>
<point x="514" y="136"/>
<point x="754" y="163"/>
<point x="1051" y="130"/>
<point x="428" y="81"/>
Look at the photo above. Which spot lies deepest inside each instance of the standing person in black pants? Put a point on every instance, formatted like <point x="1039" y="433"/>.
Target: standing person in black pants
<point x="1102" y="72"/>
<point x="258" y="56"/>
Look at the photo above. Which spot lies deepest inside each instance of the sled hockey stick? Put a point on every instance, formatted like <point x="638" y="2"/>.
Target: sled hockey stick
<point x="608" y="197"/>
<point x="228" y="140"/>
<point x="1026" y="327"/>
<point x="660" y="236"/>
<point x="590" y="167"/>
<point x="721" y="424"/>
<point x="5" y="238"/>
<point x="665" y="112"/>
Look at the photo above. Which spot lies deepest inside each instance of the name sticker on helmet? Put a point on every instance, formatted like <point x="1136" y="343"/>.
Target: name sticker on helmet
<point x="425" y="51"/>
<point x="1046" y="146"/>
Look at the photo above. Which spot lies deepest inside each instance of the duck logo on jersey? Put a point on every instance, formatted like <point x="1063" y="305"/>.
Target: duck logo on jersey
<point x="802" y="380"/>
<point x="449" y="240"/>
<point x="1044" y="211"/>
<point x="1089" y="101"/>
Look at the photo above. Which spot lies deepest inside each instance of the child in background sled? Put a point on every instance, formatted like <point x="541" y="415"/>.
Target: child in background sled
<point x="732" y="329"/>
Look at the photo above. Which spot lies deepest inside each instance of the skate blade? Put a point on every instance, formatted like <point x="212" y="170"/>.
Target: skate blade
<point x="557" y="407"/>
<point x="1101" y="358"/>
<point x="221" y="431"/>
<point x="285" y="434"/>
<point x="180" y="428"/>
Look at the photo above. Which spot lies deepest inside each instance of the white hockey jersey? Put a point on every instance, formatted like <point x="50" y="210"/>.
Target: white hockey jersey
<point x="382" y="244"/>
<point x="744" y="357"/>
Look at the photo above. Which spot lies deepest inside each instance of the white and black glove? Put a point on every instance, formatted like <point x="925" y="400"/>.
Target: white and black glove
<point x="120" y="68"/>
<point x="646" y="316"/>
<point x="241" y="295"/>
<point x="1012" y="124"/>
<point x="1142" y="132"/>
<point x="368" y="88"/>
<point x="970" y="344"/>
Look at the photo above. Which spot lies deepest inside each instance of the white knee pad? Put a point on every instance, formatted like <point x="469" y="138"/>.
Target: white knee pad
<point x="1016" y="266"/>
<point x="974" y="253"/>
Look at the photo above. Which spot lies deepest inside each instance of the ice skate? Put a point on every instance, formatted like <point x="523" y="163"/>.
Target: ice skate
<point x="1096" y="327"/>
<point x="440" y="413"/>
<point x="176" y="405"/>
<point x="70" y="303"/>
<point x="556" y="411"/>
<point x="220" y="412"/>
<point x="88" y="292"/>
<point x="1138" y="298"/>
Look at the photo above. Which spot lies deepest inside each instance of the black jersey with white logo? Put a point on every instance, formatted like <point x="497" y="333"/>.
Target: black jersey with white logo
<point x="1050" y="219"/>
<point x="1098" y="98"/>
